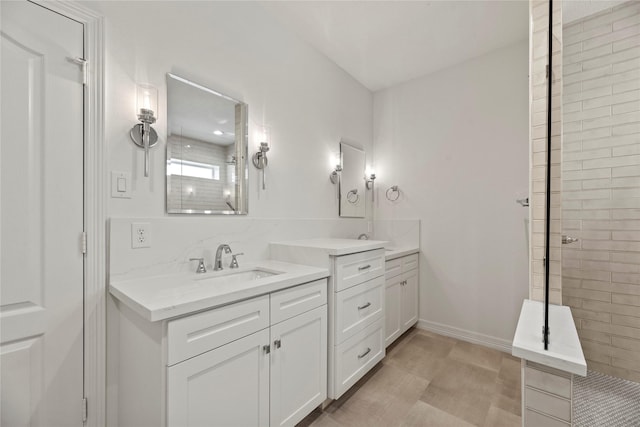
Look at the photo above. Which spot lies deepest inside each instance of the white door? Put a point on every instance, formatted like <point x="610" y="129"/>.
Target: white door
<point x="228" y="386"/>
<point x="409" y="311"/>
<point x="41" y="218"/>
<point x="393" y="298"/>
<point x="298" y="366"/>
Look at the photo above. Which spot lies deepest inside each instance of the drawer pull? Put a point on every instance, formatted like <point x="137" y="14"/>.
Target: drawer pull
<point x="362" y="307"/>
<point x="364" y="267"/>
<point x="360" y="356"/>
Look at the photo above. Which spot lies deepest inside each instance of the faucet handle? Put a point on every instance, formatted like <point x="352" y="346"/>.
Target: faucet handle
<point x="234" y="261"/>
<point x="201" y="267"/>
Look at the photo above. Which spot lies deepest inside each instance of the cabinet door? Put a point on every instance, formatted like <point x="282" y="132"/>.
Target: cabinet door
<point x="409" y="310"/>
<point x="228" y="386"/>
<point x="393" y="296"/>
<point x="298" y="366"/>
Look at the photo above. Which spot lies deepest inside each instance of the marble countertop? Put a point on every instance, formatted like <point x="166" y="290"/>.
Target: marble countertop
<point x="162" y="297"/>
<point x="399" y="252"/>
<point x="336" y="247"/>
<point x="565" y="351"/>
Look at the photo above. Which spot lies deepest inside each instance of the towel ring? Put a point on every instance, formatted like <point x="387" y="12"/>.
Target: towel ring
<point x="391" y="191"/>
<point x="353" y="196"/>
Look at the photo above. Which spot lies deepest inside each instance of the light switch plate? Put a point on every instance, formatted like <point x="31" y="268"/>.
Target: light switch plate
<point x="140" y="235"/>
<point x="123" y="191"/>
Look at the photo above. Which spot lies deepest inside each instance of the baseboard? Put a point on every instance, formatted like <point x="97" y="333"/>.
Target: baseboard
<point x="464" y="335"/>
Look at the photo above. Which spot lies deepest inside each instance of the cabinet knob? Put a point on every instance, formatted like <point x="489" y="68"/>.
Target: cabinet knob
<point x="277" y="343"/>
<point x="266" y="349"/>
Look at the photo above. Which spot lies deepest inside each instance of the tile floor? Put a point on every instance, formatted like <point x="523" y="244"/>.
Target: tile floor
<point x="431" y="380"/>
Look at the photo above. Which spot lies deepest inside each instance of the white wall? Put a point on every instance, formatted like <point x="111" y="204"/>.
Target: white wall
<point x="237" y="48"/>
<point x="456" y="143"/>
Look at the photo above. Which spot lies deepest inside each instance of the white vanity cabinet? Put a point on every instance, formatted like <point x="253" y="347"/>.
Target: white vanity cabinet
<point x="401" y="296"/>
<point x="258" y="362"/>
<point x="356" y="302"/>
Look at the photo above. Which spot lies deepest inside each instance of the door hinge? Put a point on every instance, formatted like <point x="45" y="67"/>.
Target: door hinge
<point x="83" y="64"/>
<point x="84" y="242"/>
<point x="84" y="410"/>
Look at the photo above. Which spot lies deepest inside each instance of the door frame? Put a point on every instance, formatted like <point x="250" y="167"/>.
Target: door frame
<point x="94" y="207"/>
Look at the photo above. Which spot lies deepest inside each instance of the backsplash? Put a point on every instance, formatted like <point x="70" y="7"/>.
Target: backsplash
<point x="174" y="240"/>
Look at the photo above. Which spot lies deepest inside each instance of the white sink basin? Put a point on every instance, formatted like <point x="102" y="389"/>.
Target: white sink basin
<point x="237" y="277"/>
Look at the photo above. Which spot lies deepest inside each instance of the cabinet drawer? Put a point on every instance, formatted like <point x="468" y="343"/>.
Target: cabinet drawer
<point x="195" y="334"/>
<point x="357" y="355"/>
<point x="536" y="419"/>
<point x="409" y="262"/>
<point x="357" y="307"/>
<point x="298" y="299"/>
<point x="357" y="268"/>
<point x="548" y="404"/>
<point x="393" y="268"/>
<point x="548" y="382"/>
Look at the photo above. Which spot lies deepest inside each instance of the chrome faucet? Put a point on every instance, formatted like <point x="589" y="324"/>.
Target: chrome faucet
<point x="201" y="268"/>
<point x="217" y="264"/>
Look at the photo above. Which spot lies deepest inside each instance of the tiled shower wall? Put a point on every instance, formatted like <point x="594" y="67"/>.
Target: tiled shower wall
<point x="601" y="186"/>
<point x="538" y="92"/>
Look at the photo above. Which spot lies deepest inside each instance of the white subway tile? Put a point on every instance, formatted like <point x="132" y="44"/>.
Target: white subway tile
<point x="611" y="204"/>
<point x="626" y="22"/>
<point x="569" y="147"/>
<point x="626" y="86"/>
<point x="609" y="142"/>
<point x="598" y="82"/>
<point x="626" y="171"/>
<point x="586" y="214"/>
<point x="626" y="182"/>
<point x="626" y="193"/>
<point x="633" y="95"/>
<point x="595" y="183"/>
<point x="571" y="166"/>
<point x="626" y="257"/>
<point x="625" y="267"/>
<point x="596" y="102"/>
<point x="628" y="129"/>
<point x="597" y="123"/>
<point x="587" y="174"/>
<point x="626" y="43"/>
<point x="626" y="278"/>
<point x="626" y="107"/>
<point x="611" y="162"/>
<point x="626" y="214"/>
<point x="625" y="225"/>
<point x="623" y="66"/>
<point x="588" y="154"/>
<point x="591" y="33"/>
<point x="627" y="150"/>
<point x="587" y="194"/>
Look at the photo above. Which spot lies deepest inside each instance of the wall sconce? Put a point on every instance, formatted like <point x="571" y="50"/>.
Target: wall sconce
<point x="260" y="161"/>
<point x="334" y="177"/>
<point x="370" y="178"/>
<point x="142" y="134"/>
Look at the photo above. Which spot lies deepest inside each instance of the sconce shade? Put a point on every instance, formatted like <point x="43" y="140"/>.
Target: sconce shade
<point x="146" y="102"/>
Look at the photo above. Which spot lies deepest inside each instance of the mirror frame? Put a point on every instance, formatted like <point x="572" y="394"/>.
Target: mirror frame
<point x="360" y="211"/>
<point x="241" y="153"/>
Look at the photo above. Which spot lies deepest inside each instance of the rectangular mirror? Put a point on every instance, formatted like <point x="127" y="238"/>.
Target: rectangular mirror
<point x="352" y="182"/>
<point x="206" y="150"/>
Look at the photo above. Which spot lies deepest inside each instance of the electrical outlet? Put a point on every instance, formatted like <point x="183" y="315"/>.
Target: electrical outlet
<point x="140" y="235"/>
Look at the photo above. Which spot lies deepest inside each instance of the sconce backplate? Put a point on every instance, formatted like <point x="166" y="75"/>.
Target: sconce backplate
<point x="136" y="136"/>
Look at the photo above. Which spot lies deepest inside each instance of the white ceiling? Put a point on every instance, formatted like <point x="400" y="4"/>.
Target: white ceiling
<point x="383" y="43"/>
